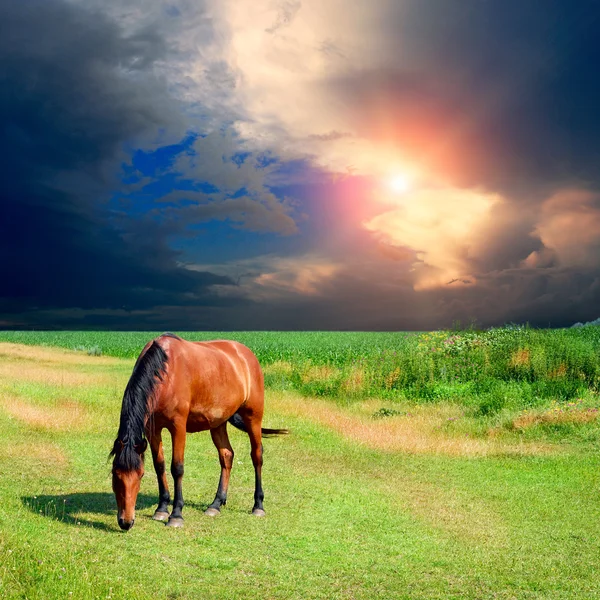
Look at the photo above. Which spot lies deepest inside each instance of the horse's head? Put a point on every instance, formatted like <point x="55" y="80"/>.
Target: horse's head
<point x="127" y="473"/>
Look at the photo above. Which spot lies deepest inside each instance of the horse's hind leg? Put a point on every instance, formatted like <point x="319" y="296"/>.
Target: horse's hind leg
<point x="253" y="425"/>
<point x="158" y="458"/>
<point x="221" y="441"/>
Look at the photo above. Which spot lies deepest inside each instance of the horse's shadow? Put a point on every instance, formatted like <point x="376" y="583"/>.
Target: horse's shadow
<point x="71" y="508"/>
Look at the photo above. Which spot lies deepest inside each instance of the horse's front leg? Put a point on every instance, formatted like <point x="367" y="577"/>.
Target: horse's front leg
<point x="158" y="458"/>
<point x="178" y="435"/>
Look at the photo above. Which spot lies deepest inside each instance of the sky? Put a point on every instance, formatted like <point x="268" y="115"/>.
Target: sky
<point x="299" y="164"/>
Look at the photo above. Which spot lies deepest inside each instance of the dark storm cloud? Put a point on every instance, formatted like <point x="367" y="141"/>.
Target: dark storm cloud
<point x="553" y="297"/>
<point x="501" y="97"/>
<point x="494" y="93"/>
<point x="380" y="297"/>
<point x="73" y="90"/>
<point x="242" y="212"/>
<point x="489" y="94"/>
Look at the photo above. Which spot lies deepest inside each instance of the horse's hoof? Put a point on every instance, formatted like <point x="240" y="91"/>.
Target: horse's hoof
<point x="160" y="516"/>
<point x="212" y="512"/>
<point x="259" y="512"/>
<point x="175" y="522"/>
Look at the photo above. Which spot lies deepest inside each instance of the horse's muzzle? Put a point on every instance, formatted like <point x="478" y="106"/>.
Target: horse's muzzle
<point x="125" y="525"/>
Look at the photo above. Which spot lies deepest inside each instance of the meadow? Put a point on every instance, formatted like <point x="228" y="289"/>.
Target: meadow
<point x="494" y="374"/>
<point x="456" y="464"/>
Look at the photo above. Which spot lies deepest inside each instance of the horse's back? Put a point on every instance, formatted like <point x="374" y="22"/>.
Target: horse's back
<point x="209" y="381"/>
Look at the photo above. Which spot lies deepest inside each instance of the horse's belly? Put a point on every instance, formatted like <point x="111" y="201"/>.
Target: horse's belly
<point x="211" y="410"/>
<point x="209" y="417"/>
<point x="197" y="422"/>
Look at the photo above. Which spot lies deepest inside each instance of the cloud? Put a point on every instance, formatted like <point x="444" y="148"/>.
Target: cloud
<point x="306" y="275"/>
<point x="207" y="178"/>
<point x="504" y="106"/>
<point x="267" y="278"/>
<point x="313" y="292"/>
<point x="218" y="158"/>
<point x="265" y="214"/>
<point x="75" y="88"/>
<point x="569" y="227"/>
<point x="490" y="108"/>
<point x="440" y="226"/>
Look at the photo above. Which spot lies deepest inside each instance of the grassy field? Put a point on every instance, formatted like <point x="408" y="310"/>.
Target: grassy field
<point x="370" y="496"/>
<point x="495" y="376"/>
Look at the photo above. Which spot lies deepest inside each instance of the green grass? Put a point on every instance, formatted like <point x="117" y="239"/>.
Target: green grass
<point x="513" y="367"/>
<point x="344" y="521"/>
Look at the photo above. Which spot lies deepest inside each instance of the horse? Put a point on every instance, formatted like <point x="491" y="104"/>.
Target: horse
<point x="186" y="387"/>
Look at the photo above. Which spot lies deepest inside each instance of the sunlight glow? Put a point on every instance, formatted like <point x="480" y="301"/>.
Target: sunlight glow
<point x="444" y="227"/>
<point x="399" y="184"/>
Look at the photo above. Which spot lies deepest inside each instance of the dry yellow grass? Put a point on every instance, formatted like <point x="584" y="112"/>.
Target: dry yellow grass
<point x="51" y="366"/>
<point x="527" y="420"/>
<point x="422" y="431"/>
<point x="64" y="415"/>
<point x="559" y="372"/>
<point x="354" y="382"/>
<point x="52" y="355"/>
<point x="520" y="357"/>
<point x="50" y="374"/>
<point x="314" y="373"/>
<point x="392" y="378"/>
<point x="278" y="367"/>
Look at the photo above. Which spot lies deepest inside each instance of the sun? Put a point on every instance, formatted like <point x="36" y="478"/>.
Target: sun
<point x="399" y="183"/>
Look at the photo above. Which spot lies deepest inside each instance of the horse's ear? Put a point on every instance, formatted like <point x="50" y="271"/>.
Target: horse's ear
<point x="141" y="447"/>
<point x="117" y="447"/>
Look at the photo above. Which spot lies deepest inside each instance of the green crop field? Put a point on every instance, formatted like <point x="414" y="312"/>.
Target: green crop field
<point x="490" y="372"/>
<point x="458" y="464"/>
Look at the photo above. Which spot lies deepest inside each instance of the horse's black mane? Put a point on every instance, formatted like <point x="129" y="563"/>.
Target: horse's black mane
<point x="130" y="444"/>
<point x="169" y="334"/>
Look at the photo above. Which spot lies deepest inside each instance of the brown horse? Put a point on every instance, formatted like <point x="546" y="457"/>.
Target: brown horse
<point x="186" y="387"/>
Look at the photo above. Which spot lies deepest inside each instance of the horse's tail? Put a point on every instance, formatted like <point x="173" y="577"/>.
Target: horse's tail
<point x="237" y="421"/>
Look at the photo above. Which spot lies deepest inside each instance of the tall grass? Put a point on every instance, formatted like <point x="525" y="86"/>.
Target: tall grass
<point x="512" y="367"/>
